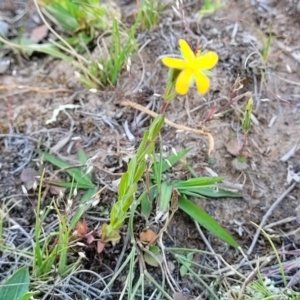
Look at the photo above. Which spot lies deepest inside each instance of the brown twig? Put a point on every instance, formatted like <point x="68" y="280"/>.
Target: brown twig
<point x="267" y="215"/>
<point x="170" y="123"/>
<point x="33" y="89"/>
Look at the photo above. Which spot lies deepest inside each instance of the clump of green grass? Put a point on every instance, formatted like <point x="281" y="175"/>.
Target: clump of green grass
<point x="47" y="257"/>
<point x="85" y="21"/>
<point x="162" y="190"/>
<point x="86" y="16"/>
<point x="148" y="13"/>
<point x="210" y="6"/>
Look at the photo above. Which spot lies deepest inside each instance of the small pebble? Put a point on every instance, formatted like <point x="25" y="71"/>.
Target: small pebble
<point x="4" y="65"/>
<point x="3" y="27"/>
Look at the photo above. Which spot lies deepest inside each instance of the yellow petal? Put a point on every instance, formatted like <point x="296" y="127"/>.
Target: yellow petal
<point x="174" y="63"/>
<point x="186" y="51"/>
<point x="202" y="82"/>
<point x="207" y="61"/>
<point x="183" y="81"/>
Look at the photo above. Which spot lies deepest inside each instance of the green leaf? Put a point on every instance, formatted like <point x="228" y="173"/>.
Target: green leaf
<point x="64" y="17"/>
<point x="71" y="185"/>
<point x="196" y="182"/>
<point x="132" y="166"/>
<point x="170" y="161"/>
<point x="83" y="207"/>
<point x="141" y="148"/>
<point x="47" y="49"/>
<point x="211" y="192"/>
<point x="24" y="44"/>
<point x="28" y="295"/>
<point x="150" y="260"/>
<point x="81" y="155"/>
<point x="146" y="200"/>
<point x="124" y="183"/>
<point x="156" y="126"/>
<point x="127" y="199"/>
<point x="205" y="220"/>
<point x="246" y="123"/>
<point x="184" y="268"/>
<point x="141" y="167"/>
<point x="79" y="176"/>
<point x="15" y="287"/>
<point x="165" y="196"/>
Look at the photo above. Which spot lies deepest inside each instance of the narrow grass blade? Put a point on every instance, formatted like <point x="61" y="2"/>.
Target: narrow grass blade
<point x="63" y="16"/>
<point x="83" y="207"/>
<point x="211" y="192"/>
<point x="15" y="287"/>
<point x="146" y="200"/>
<point x="165" y="196"/>
<point x="156" y="126"/>
<point x="205" y="220"/>
<point x="170" y="161"/>
<point x="82" y="156"/>
<point x="196" y="182"/>
<point x="75" y="173"/>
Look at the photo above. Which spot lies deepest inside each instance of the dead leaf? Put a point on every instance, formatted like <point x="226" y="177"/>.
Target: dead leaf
<point x="240" y="164"/>
<point x="100" y="246"/>
<point x="179" y="296"/>
<point x="56" y="190"/>
<point x="39" y="33"/>
<point x="147" y="236"/>
<point x="153" y="257"/>
<point x="28" y="177"/>
<point x="82" y="228"/>
<point x="233" y="147"/>
<point x="89" y="238"/>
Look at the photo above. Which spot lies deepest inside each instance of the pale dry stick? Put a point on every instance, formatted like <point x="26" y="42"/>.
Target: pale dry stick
<point x="169" y="275"/>
<point x="136" y="89"/>
<point x="232" y="269"/>
<point x="66" y="139"/>
<point x="206" y="242"/>
<point x="289" y="50"/>
<point x="33" y="89"/>
<point x="17" y="225"/>
<point x="251" y="276"/>
<point x="138" y="121"/>
<point x="283" y="221"/>
<point x="287" y="80"/>
<point x="125" y="244"/>
<point x="144" y="269"/>
<point x="293" y="232"/>
<point x="267" y="215"/>
<point x="170" y="123"/>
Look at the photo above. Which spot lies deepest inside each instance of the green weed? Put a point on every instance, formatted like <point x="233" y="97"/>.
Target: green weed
<point x="115" y="56"/>
<point x="75" y="16"/>
<point x="240" y="162"/>
<point x="210" y="6"/>
<point x="16" y="287"/>
<point x="148" y="13"/>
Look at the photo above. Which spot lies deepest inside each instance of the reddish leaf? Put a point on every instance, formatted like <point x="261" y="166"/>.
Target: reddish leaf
<point x="89" y="238"/>
<point x="179" y="296"/>
<point x="39" y="33"/>
<point x="147" y="236"/>
<point x="82" y="228"/>
<point x="100" y="246"/>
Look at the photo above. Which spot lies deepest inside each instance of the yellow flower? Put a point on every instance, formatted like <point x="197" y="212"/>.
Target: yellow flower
<point x="193" y="68"/>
